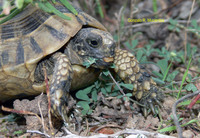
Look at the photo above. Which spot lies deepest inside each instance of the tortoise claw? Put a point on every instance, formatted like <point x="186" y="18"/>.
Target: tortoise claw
<point x="145" y="113"/>
<point x="159" y="103"/>
<point x="152" y="107"/>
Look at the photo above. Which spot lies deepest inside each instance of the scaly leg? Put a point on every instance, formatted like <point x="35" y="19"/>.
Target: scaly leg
<point x="145" y="89"/>
<point x="60" y="85"/>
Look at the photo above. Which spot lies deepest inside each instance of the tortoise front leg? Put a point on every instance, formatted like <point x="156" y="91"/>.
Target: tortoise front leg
<point x="60" y="85"/>
<point x="145" y="89"/>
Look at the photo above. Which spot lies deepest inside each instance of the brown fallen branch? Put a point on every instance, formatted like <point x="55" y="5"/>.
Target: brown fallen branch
<point x="132" y="132"/>
<point x="38" y="132"/>
<point x="20" y="112"/>
<point x="49" y="101"/>
<point x="23" y="112"/>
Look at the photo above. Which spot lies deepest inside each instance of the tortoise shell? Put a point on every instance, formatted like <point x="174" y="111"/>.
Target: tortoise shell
<point x="29" y="37"/>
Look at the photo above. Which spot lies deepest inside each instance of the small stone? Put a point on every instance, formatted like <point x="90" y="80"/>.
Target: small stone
<point x="188" y="134"/>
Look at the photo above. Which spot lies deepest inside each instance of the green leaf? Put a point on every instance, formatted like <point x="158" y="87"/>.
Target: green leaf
<point x="186" y="102"/>
<point x="190" y="87"/>
<point x="158" y="81"/>
<point x="28" y="1"/>
<point x="119" y="96"/>
<point x="127" y="86"/>
<point x="82" y="94"/>
<point x="184" y="77"/>
<point x="19" y="132"/>
<point x="106" y="72"/>
<point x="172" y="75"/>
<point x="177" y="29"/>
<point x="163" y="65"/>
<point x="190" y="122"/>
<point x="85" y="106"/>
<point x="103" y="90"/>
<point x="94" y="95"/>
<point x="69" y="6"/>
<point x="19" y="3"/>
<point x="171" y="128"/>
<point x="122" y="21"/>
<point x="54" y="1"/>
<point x="157" y="74"/>
<point x="155" y="9"/>
<point x="194" y="23"/>
<point x="55" y="11"/>
<point x="6" y="4"/>
<point x="189" y="50"/>
<point x="112" y="66"/>
<point x="189" y="78"/>
<point x="97" y="84"/>
<point x="134" y="43"/>
<point x="173" y="22"/>
<point x="128" y="45"/>
<point x="167" y="129"/>
<point x="99" y="8"/>
<point x="11" y="15"/>
<point x="89" y="62"/>
<point x="139" y="55"/>
<point x="108" y="88"/>
<point x="44" y="7"/>
<point x="129" y="94"/>
<point x="171" y="27"/>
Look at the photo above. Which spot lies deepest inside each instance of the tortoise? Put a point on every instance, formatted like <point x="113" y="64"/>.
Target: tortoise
<point x="35" y="39"/>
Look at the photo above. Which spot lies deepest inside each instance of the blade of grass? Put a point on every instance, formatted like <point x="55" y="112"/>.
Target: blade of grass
<point x="166" y="72"/>
<point x="155" y="9"/>
<point x="10" y="16"/>
<point x="172" y="128"/>
<point x="47" y="7"/>
<point x="99" y="8"/>
<point x="69" y="6"/>
<point x="184" y="77"/>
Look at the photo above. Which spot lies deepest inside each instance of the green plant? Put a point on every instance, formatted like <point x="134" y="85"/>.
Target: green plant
<point x="45" y="5"/>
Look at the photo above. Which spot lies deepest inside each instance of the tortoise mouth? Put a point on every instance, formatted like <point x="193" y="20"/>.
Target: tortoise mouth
<point x="103" y="63"/>
<point x="108" y="59"/>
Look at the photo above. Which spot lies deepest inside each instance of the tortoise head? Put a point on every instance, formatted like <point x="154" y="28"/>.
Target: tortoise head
<point x="91" y="43"/>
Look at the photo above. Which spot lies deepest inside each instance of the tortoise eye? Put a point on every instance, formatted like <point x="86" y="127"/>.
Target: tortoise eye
<point x="93" y="43"/>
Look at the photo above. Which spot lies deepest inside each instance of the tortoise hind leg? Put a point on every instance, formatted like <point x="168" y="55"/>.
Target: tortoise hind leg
<point x="145" y="89"/>
<point x="60" y="85"/>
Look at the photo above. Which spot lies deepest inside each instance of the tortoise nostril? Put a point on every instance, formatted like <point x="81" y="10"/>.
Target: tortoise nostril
<point x="112" y="52"/>
<point x="112" y="49"/>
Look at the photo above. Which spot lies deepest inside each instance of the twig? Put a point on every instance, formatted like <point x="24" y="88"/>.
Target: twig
<point x="172" y="91"/>
<point x="20" y="112"/>
<point x="48" y="97"/>
<point x="120" y="89"/>
<point x="87" y="126"/>
<point x="179" y="129"/>
<point x="133" y="132"/>
<point x="185" y="40"/>
<point x="118" y="16"/>
<point x="38" y="132"/>
<point x="42" y="119"/>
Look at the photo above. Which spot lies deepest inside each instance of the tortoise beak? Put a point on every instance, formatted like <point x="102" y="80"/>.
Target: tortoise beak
<point x="108" y="59"/>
